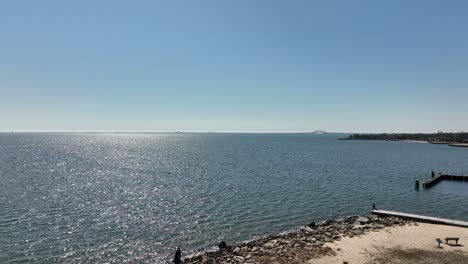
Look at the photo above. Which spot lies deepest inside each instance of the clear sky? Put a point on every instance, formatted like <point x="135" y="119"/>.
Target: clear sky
<point x="238" y="66"/>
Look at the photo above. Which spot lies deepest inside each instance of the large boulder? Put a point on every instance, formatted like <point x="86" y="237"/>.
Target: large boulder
<point x="363" y="220"/>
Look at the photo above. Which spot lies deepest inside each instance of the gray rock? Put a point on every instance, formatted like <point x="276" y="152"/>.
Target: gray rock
<point x="363" y="220"/>
<point x="269" y="245"/>
<point x="238" y="259"/>
<point x="326" y="222"/>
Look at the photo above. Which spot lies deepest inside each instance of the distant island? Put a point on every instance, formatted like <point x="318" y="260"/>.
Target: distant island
<point x="459" y="139"/>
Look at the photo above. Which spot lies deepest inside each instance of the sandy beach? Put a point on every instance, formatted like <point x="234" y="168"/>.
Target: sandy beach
<point x="415" y="141"/>
<point x="360" y="240"/>
<point x="400" y="244"/>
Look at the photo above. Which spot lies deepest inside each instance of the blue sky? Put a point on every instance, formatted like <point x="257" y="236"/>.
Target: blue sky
<point x="237" y="66"/>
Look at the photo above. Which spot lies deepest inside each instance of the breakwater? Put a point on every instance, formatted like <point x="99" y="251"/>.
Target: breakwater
<point x="298" y="246"/>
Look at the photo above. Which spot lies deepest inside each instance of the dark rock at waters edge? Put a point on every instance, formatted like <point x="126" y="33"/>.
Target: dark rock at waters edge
<point x="298" y="246"/>
<point x="222" y="245"/>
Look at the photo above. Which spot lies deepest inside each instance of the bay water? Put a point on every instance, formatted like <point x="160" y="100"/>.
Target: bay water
<point x="88" y="197"/>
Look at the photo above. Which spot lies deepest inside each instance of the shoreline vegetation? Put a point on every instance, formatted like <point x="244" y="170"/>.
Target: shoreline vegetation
<point x="355" y="239"/>
<point x="452" y="139"/>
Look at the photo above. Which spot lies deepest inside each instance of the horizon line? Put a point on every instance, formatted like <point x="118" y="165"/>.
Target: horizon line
<point x="214" y="132"/>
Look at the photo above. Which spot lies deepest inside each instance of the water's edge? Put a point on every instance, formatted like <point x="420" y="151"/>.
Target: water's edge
<point x="309" y="241"/>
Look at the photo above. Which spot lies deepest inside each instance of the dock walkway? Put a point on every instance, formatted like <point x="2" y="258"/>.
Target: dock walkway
<point x="433" y="181"/>
<point x="421" y="218"/>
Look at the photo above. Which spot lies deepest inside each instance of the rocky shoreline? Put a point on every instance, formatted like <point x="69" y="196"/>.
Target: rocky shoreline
<point x="299" y="246"/>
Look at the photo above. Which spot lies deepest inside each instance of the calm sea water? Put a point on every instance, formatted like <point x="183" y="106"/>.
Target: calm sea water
<point x="77" y="198"/>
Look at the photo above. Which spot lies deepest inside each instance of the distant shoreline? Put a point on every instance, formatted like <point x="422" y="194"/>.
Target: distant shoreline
<point x="452" y="139"/>
<point x="415" y="141"/>
<point x="462" y="145"/>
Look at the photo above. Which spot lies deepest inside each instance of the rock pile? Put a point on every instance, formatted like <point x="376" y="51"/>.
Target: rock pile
<point x="298" y="246"/>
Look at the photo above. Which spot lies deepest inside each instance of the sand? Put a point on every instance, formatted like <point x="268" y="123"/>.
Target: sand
<point x="464" y="145"/>
<point x="415" y="141"/>
<point x="400" y="244"/>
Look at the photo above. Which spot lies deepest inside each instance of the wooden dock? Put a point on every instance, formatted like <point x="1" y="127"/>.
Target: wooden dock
<point x="433" y="181"/>
<point x="422" y="218"/>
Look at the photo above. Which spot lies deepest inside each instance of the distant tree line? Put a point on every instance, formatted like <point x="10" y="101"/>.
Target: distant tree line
<point x="461" y="137"/>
